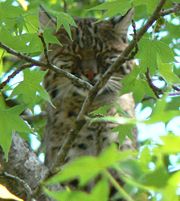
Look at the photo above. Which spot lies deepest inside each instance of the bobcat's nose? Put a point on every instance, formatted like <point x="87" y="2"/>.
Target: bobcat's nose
<point x="90" y="75"/>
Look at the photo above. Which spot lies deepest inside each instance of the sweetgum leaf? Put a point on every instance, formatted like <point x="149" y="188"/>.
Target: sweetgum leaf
<point x="101" y="110"/>
<point x="99" y="192"/>
<point x="166" y="71"/>
<point x="30" y="89"/>
<point x="160" y="113"/>
<point x="134" y="83"/>
<point x="87" y="167"/>
<point x="49" y="37"/>
<point x="10" y="122"/>
<point x="83" y="168"/>
<point x="123" y="131"/>
<point x="65" y="20"/>
<point x="150" y="179"/>
<point x="171" y="144"/>
<point x="113" y="8"/>
<point x="151" y="50"/>
<point x="150" y="4"/>
<point x="26" y="43"/>
<point x="68" y="195"/>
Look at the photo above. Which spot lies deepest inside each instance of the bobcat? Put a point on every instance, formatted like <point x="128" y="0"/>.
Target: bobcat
<point x="92" y="50"/>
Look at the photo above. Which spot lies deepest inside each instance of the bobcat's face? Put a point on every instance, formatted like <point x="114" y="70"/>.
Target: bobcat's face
<point x="93" y="49"/>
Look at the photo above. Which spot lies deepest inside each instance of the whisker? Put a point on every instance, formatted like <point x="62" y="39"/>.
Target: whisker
<point x="115" y="83"/>
<point x="116" y="78"/>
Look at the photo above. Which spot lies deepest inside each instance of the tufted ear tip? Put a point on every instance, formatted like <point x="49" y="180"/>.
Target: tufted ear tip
<point x="122" y="23"/>
<point x="131" y="12"/>
<point x="45" y="19"/>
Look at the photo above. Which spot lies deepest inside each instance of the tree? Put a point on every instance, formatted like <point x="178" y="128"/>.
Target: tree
<point x="148" y="173"/>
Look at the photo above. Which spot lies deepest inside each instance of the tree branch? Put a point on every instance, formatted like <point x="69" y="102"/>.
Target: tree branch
<point x="65" y="6"/>
<point x="21" y="182"/>
<point x="133" y="53"/>
<point x="59" y="71"/>
<point x="44" y="47"/>
<point x="175" y="9"/>
<point x="18" y="70"/>
<point x="25" y="167"/>
<point x="174" y="94"/>
<point x="176" y="87"/>
<point x="154" y="88"/>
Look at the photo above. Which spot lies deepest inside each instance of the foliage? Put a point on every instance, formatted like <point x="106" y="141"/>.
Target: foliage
<point x="149" y="173"/>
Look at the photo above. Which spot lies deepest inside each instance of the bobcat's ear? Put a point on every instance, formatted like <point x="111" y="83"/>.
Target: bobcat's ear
<point x="122" y="23"/>
<point x="45" y="19"/>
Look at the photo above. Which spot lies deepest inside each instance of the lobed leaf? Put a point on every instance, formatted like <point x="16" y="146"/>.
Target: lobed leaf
<point x="30" y="89"/>
<point x="10" y="122"/>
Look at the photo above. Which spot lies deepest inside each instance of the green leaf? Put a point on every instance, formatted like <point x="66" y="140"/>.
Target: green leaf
<point x="169" y="193"/>
<point x="134" y="83"/>
<point x="87" y="167"/>
<point x="150" y="179"/>
<point x="83" y="168"/>
<point x="101" y="110"/>
<point x="114" y="119"/>
<point x="30" y="89"/>
<point x="2" y="102"/>
<point x="26" y="43"/>
<point x="113" y="8"/>
<point x="172" y="30"/>
<point x="160" y="114"/>
<point x="150" y="4"/>
<point x="166" y="71"/>
<point x="100" y="191"/>
<point x="132" y="167"/>
<point x="31" y="19"/>
<point x="171" y="144"/>
<point x="49" y="37"/>
<point x="111" y="155"/>
<point x="68" y="195"/>
<point x="66" y="20"/>
<point x="173" y="104"/>
<point x="123" y="131"/>
<point x="12" y="20"/>
<point x="150" y="50"/>
<point x="10" y="122"/>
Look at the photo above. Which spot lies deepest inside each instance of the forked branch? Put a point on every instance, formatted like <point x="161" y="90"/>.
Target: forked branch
<point x="59" y="71"/>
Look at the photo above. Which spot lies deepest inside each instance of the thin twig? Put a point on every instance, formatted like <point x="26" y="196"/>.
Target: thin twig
<point x="133" y="53"/>
<point x="33" y="118"/>
<point x="154" y="88"/>
<point x="65" y="6"/>
<point x="175" y="94"/>
<point x="18" y="70"/>
<point x="21" y="182"/>
<point x="175" y="87"/>
<point x="44" y="47"/>
<point x="59" y="71"/>
<point x="175" y="9"/>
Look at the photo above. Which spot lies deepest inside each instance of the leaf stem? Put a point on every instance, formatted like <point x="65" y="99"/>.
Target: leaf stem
<point x="121" y="191"/>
